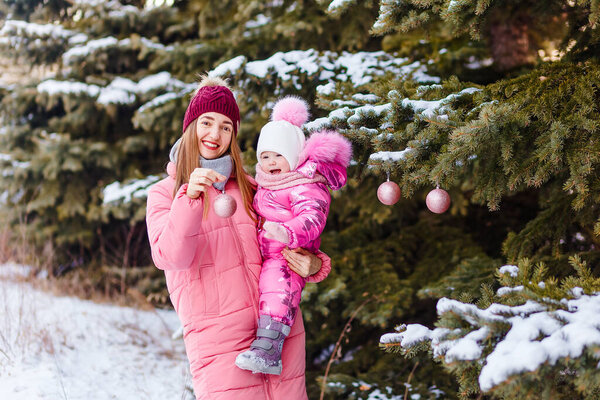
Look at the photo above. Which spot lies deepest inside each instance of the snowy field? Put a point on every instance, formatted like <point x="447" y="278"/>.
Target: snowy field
<point x="67" y="348"/>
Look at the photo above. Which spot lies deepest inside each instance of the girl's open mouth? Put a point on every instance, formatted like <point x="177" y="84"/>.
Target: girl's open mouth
<point x="275" y="171"/>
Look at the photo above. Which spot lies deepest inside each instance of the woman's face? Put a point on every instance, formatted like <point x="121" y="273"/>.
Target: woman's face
<point x="214" y="132"/>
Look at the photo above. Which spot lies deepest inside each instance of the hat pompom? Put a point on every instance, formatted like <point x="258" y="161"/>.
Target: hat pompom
<point x="291" y="109"/>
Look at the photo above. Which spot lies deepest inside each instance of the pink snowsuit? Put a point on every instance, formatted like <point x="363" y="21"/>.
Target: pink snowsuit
<point x="299" y="200"/>
<point x="212" y="267"/>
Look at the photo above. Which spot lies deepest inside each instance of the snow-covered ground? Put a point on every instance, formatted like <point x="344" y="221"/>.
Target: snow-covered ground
<point x="67" y="348"/>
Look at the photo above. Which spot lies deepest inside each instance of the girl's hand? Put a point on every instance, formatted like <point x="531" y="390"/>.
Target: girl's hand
<point x="200" y="180"/>
<point x="302" y="261"/>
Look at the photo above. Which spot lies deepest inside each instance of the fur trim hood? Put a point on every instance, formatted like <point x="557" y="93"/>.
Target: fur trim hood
<point x="328" y="153"/>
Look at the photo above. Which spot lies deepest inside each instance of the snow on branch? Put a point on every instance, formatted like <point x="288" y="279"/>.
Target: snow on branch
<point x="119" y="91"/>
<point x="386" y="10"/>
<point x="228" y="67"/>
<point x="430" y="109"/>
<point x="375" y="121"/>
<point x="389" y="156"/>
<point x="512" y="270"/>
<point x="158" y="100"/>
<point x="74" y="54"/>
<point x="92" y="45"/>
<point x="53" y="87"/>
<point x="517" y="339"/>
<point x="337" y="6"/>
<point x="22" y="28"/>
<point x="566" y="333"/>
<point x="260" y="20"/>
<point x="114" y="9"/>
<point x="359" y="68"/>
<point x="12" y="164"/>
<point x="125" y="192"/>
<point x="367" y="110"/>
<point x="27" y="36"/>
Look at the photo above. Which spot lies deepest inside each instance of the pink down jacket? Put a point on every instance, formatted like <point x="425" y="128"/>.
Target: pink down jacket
<point x="299" y="200"/>
<point x="212" y="267"/>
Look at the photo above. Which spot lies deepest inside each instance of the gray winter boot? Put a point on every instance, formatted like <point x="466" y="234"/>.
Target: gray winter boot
<point x="264" y="355"/>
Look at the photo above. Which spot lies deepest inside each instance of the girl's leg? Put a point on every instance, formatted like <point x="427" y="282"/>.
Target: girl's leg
<point x="280" y="294"/>
<point x="280" y="291"/>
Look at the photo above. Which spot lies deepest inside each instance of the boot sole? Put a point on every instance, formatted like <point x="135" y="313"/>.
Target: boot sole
<point x="249" y="365"/>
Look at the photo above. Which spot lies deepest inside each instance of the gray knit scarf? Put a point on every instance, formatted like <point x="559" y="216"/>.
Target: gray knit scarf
<point x="223" y="165"/>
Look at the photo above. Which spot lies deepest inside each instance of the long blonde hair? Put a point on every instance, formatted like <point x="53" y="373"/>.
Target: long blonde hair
<point x="188" y="159"/>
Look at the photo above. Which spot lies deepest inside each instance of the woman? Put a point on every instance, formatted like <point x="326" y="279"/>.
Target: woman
<point x="212" y="264"/>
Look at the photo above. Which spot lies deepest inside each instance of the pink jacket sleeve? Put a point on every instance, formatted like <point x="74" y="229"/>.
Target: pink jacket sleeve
<point x="310" y="206"/>
<point x="324" y="271"/>
<point x="173" y="227"/>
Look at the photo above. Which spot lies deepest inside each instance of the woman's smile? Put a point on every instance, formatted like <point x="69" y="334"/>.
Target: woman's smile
<point x="210" y="145"/>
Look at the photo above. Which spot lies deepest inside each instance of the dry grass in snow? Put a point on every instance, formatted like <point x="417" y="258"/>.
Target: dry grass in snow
<point x="67" y="348"/>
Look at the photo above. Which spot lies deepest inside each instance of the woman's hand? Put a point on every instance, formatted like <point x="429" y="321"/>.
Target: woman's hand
<point x="200" y="180"/>
<point x="302" y="261"/>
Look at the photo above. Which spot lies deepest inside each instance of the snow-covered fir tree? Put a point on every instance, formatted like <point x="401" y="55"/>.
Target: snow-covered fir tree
<point x="511" y="132"/>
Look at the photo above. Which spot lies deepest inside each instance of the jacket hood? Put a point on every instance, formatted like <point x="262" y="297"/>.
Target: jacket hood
<point x="328" y="153"/>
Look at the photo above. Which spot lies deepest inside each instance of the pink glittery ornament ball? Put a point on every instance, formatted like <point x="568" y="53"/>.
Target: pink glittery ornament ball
<point x="388" y="193"/>
<point x="438" y="201"/>
<point x="224" y="205"/>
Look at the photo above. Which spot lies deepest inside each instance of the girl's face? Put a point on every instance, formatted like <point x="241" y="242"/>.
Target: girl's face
<point x="273" y="163"/>
<point x="214" y="132"/>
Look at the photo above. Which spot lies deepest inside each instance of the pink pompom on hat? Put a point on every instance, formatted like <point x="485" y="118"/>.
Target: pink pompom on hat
<point x="283" y="134"/>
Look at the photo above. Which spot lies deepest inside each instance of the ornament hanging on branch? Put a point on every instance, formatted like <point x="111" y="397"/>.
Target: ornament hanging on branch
<point x="388" y="192"/>
<point x="438" y="200"/>
<point x="224" y="205"/>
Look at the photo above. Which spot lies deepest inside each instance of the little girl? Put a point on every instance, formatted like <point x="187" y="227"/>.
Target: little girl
<point x="292" y="201"/>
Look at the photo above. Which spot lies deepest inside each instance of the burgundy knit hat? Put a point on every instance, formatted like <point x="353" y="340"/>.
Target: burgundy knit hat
<point x="213" y="98"/>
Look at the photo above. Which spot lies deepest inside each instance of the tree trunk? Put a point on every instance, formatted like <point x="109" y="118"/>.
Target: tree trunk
<point x="510" y="41"/>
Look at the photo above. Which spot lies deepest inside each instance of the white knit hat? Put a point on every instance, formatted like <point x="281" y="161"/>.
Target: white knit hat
<point x="283" y="134"/>
<point x="283" y="138"/>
